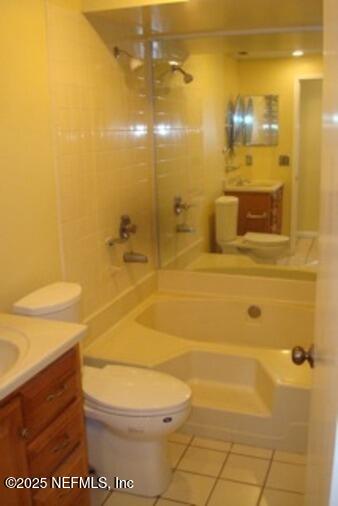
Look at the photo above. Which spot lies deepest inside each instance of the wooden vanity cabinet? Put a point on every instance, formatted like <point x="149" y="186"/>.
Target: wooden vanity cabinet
<point x="13" y="456"/>
<point x="42" y="434"/>
<point x="259" y="211"/>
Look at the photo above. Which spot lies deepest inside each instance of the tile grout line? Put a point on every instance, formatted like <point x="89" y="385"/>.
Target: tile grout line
<point x="187" y="445"/>
<point x="219" y="474"/>
<point x="266" y="478"/>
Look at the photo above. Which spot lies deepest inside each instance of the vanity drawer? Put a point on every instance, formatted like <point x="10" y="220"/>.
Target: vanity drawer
<point x="75" y="465"/>
<point x="55" y="443"/>
<point x="50" y="392"/>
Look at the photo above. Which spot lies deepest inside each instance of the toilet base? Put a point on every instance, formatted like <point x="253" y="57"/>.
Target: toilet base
<point x="144" y="462"/>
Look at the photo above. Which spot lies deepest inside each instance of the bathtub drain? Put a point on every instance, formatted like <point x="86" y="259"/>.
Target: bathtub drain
<point x="254" y="311"/>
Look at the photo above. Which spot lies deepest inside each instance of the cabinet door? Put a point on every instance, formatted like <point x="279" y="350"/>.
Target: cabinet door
<point x="76" y="465"/>
<point x="254" y="213"/>
<point x="13" y="460"/>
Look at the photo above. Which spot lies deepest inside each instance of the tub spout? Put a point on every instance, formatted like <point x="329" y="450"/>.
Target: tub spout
<point x="185" y="229"/>
<point x="135" y="258"/>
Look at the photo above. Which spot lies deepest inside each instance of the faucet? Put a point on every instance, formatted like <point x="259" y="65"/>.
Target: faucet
<point x="126" y="229"/>
<point x="180" y="206"/>
<point x="135" y="258"/>
<point x="183" y="228"/>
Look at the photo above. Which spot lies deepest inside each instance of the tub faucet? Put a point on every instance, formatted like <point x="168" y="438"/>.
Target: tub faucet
<point x="130" y="257"/>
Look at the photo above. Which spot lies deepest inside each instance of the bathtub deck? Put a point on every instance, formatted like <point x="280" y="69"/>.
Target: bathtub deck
<point x="226" y="397"/>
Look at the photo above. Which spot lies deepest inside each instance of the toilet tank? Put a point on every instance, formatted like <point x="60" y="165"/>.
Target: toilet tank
<point x="58" y="301"/>
<point x="226" y="219"/>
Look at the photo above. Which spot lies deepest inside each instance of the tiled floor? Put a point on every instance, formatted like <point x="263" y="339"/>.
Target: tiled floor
<point x="217" y="473"/>
<point x="306" y="253"/>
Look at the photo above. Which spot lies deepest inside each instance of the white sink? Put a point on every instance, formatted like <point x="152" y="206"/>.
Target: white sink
<point x="13" y="346"/>
<point x="254" y="185"/>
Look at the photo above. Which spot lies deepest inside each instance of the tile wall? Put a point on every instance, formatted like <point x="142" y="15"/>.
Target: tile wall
<point x="189" y="140"/>
<point x="103" y="156"/>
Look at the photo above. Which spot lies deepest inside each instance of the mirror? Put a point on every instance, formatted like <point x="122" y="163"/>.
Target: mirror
<point x="238" y="121"/>
<point x="261" y="125"/>
<point x="224" y="204"/>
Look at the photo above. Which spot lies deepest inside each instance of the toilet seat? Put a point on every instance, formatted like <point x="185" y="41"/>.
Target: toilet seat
<point x="133" y="391"/>
<point x="265" y="240"/>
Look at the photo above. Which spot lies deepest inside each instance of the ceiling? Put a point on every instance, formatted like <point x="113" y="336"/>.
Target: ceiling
<point x="209" y="16"/>
<point x="263" y="28"/>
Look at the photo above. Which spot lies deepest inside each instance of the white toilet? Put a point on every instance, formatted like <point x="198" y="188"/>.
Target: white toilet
<point x="128" y="424"/>
<point x="263" y="246"/>
<point x="130" y="411"/>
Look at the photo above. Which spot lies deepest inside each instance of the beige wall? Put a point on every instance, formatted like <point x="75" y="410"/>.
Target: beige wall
<point x="189" y="138"/>
<point x="276" y="76"/>
<point x="103" y="153"/>
<point x="309" y="155"/>
<point x="29" y="252"/>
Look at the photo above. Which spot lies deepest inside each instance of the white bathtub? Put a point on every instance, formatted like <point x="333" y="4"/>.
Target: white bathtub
<point x="227" y="321"/>
<point x="245" y="387"/>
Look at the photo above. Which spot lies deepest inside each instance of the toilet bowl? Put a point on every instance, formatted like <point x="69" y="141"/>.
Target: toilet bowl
<point x="130" y="412"/>
<point x="263" y="246"/>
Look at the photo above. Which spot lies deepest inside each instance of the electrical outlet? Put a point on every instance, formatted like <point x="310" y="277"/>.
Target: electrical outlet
<point x="284" y="160"/>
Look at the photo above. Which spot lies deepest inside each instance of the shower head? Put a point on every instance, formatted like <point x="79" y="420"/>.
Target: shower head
<point x="187" y="78"/>
<point x="134" y="63"/>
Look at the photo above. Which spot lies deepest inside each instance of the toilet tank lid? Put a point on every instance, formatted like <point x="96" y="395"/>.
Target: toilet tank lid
<point x="226" y="200"/>
<point x="48" y="299"/>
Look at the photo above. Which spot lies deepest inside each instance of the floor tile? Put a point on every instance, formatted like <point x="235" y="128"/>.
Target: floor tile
<point x="178" y="437"/>
<point x="124" y="499"/>
<point x="251" y="451"/>
<point x="176" y="451"/>
<point x="246" y="469"/>
<point x="291" y="458"/>
<point x="287" y="477"/>
<point x="279" y="498"/>
<point x="203" y="461"/>
<point x="211" y="444"/>
<point x="189" y="488"/>
<point x="97" y="496"/>
<point x="234" y="494"/>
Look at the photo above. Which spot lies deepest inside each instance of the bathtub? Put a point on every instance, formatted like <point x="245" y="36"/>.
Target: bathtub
<point x="245" y="387"/>
<point x="244" y="265"/>
<point x="228" y="321"/>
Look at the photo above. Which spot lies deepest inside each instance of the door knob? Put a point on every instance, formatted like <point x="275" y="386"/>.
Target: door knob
<point x="299" y="355"/>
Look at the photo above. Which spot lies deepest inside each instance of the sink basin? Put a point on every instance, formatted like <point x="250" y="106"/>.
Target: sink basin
<point x="255" y="185"/>
<point x="9" y="354"/>
<point x="13" y="345"/>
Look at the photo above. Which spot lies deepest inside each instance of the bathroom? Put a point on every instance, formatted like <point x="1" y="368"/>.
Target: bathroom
<point x="168" y="252"/>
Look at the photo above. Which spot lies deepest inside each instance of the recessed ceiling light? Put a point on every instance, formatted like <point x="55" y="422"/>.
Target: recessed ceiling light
<point x="298" y="53"/>
<point x="174" y="63"/>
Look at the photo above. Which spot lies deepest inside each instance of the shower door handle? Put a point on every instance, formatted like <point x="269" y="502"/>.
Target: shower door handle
<point x="299" y="356"/>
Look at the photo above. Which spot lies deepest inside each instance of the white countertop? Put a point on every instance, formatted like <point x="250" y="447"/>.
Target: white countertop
<point x="254" y="186"/>
<point x="40" y="343"/>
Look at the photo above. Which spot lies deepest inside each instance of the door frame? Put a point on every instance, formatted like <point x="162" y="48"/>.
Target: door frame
<point x="296" y="154"/>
